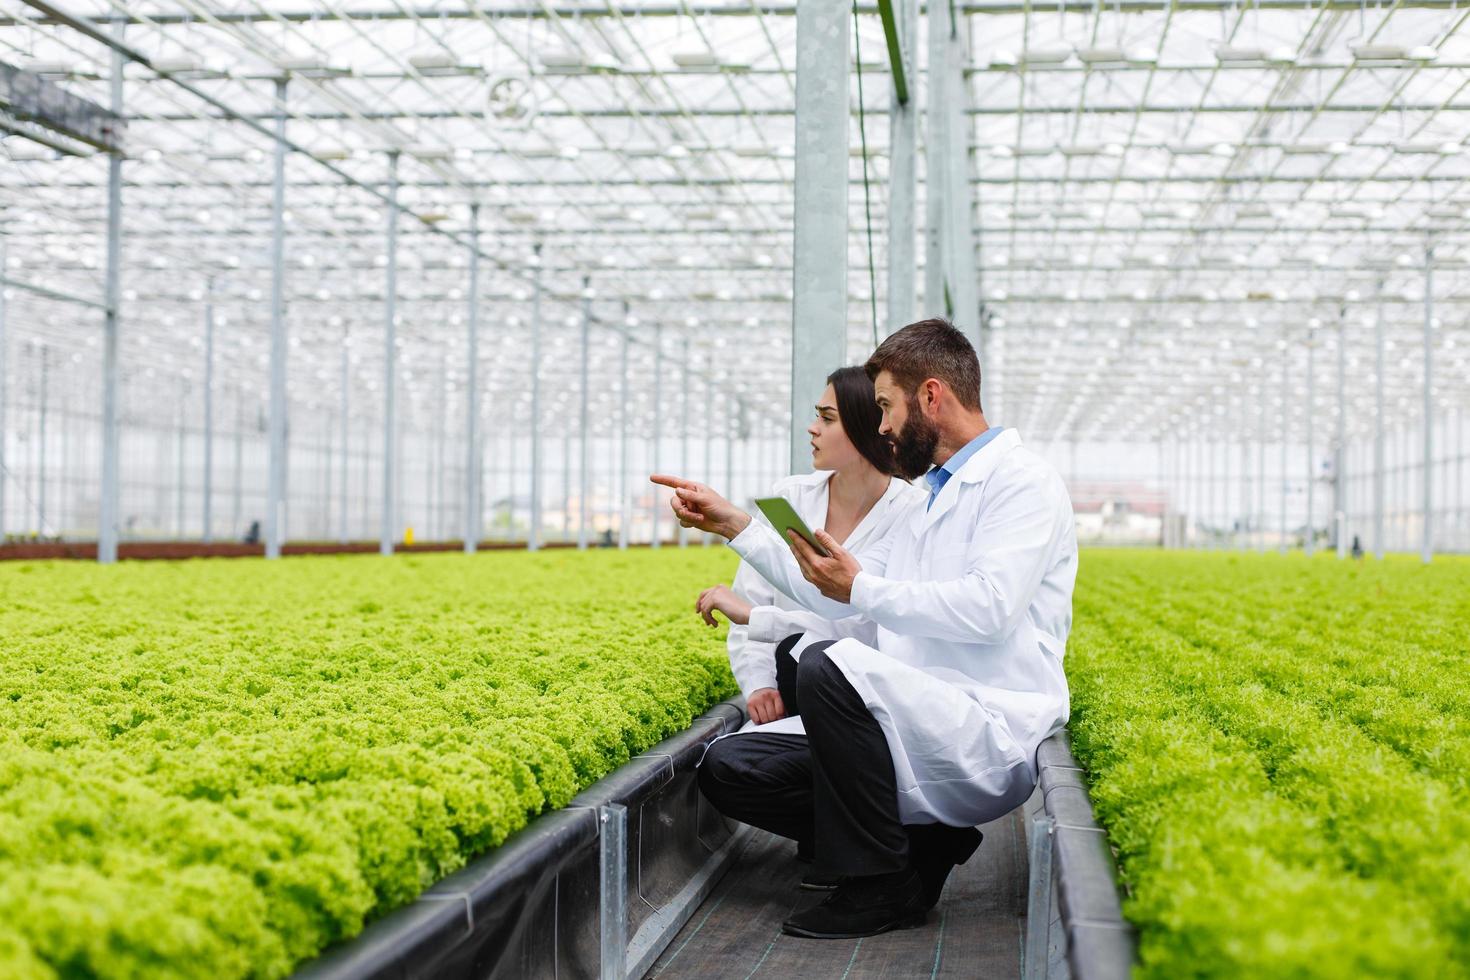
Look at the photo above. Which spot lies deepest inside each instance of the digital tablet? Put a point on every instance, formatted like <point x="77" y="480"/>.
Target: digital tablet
<point x="783" y="518"/>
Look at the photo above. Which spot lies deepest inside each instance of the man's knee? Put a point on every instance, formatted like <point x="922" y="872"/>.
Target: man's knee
<point x="815" y="669"/>
<point x="719" y="770"/>
<point x="787" y="645"/>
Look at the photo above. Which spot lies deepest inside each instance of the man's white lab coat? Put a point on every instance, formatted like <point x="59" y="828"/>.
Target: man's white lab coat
<point x="753" y="661"/>
<point x="972" y="604"/>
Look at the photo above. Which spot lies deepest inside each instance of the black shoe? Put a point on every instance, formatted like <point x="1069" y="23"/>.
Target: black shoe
<point x="815" y="881"/>
<point x="863" y="907"/>
<point x="935" y="853"/>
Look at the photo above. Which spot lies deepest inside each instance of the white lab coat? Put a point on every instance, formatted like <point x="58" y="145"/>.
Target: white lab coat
<point x="972" y="603"/>
<point x="754" y="661"/>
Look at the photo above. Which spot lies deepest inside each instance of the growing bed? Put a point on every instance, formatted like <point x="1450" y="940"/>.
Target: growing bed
<point x="1279" y="749"/>
<point x="223" y="768"/>
<point x="220" y="768"/>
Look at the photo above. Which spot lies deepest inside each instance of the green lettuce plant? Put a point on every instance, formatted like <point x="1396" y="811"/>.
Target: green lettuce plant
<point x="1278" y="749"/>
<point x="220" y="768"/>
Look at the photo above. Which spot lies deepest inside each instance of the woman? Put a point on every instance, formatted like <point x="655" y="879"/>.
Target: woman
<point x="853" y="494"/>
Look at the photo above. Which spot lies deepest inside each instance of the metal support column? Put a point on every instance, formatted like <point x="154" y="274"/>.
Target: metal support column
<point x="949" y="275"/>
<point x="1285" y="431"/>
<point x="4" y="471"/>
<point x="1214" y="487"/>
<point x="1379" y="474"/>
<point x="533" y="539"/>
<point x="472" y="526"/>
<point x="1460" y="471"/>
<point x="1243" y="521"/>
<point x="900" y="24"/>
<point x="819" y="280"/>
<point x="45" y="398"/>
<point x="1039" y="898"/>
<point x="107" y="518"/>
<point x="434" y="522"/>
<point x="684" y="432"/>
<point x="732" y="421"/>
<point x="1261" y="472"/>
<point x="208" y="496"/>
<point x="585" y="459"/>
<point x="625" y="397"/>
<point x="390" y="364"/>
<point x="180" y="437"/>
<point x="1339" y="474"/>
<point x="708" y="437"/>
<point x="276" y="488"/>
<point x="236" y="497"/>
<point x="344" y="437"/>
<point x="566" y="487"/>
<point x="1311" y="533"/>
<point x="613" y="887"/>
<point x="1426" y="548"/>
<point x="656" y="511"/>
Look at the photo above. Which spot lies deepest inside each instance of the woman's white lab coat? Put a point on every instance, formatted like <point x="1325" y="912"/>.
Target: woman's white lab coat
<point x="972" y="604"/>
<point x="754" y="661"/>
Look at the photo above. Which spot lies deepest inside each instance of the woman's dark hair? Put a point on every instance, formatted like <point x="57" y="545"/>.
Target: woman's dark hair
<point x="861" y="416"/>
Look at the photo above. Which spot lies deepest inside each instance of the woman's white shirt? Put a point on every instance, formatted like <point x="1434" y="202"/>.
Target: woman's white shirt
<point x="754" y="661"/>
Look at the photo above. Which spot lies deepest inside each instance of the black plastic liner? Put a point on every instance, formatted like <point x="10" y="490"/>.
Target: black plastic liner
<point x="531" y="908"/>
<point x="1100" y="943"/>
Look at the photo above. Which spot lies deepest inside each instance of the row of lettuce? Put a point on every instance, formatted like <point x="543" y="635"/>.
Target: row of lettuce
<point x="219" y="769"/>
<point x="1279" y="750"/>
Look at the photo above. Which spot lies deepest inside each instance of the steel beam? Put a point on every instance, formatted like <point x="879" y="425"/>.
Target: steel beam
<point x="343" y="415"/>
<point x="1260" y="520"/>
<point x="1426" y="547"/>
<point x="1310" y="537"/>
<point x="45" y="398"/>
<point x="1285" y="432"/>
<point x="1339" y="469"/>
<point x="656" y="508"/>
<point x="819" y="279"/>
<point x="26" y="97"/>
<point x="533" y="540"/>
<point x="472" y="526"/>
<point x="386" y="533"/>
<point x="275" y="509"/>
<point x="584" y="462"/>
<point x="208" y="494"/>
<point x="683" y="531"/>
<point x="107" y="518"/>
<point x="550" y="12"/>
<point x="625" y="395"/>
<point x="949" y="276"/>
<point x="903" y="127"/>
<point x="4" y="346"/>
<point x="1379" y="476"/>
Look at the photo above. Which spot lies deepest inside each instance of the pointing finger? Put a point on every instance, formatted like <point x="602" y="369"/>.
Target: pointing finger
<point x="665" y="480"/>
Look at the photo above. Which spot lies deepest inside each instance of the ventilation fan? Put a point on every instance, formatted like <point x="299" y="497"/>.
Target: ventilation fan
<point x="512" y="100"/>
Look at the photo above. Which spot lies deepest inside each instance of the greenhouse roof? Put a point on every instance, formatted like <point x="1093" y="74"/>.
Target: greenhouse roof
<point x="1171" y="201"/>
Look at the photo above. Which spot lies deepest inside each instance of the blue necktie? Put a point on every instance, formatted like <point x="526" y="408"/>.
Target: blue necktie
<point x="939" y="477"/>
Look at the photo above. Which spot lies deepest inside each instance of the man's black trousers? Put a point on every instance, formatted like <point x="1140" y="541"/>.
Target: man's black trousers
<point x="832" y="789"/>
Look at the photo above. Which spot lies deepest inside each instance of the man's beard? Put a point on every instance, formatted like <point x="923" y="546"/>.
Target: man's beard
<point x="913" y="448"/>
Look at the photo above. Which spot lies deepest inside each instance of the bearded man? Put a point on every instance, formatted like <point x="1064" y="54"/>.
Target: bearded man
<point x="926" y="678"/>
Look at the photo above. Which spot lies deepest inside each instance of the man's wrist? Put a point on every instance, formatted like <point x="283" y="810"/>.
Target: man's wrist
<point x="738" y="523"/>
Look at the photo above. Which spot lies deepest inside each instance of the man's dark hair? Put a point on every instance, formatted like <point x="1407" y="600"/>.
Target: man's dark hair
<point x="861" y="416"/>
<point x="930" y="349"/>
